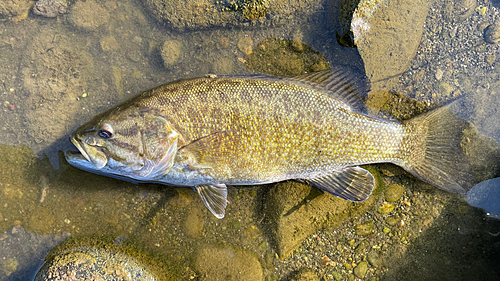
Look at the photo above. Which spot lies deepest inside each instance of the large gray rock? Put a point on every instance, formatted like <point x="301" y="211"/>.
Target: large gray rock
<point x="387" y="38"/>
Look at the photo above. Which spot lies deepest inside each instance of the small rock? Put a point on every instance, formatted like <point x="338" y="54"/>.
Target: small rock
<point x="227" y="263"/>
<point x="336" y="276"/>
<point x="360" y="269"/>
<point x="245" y="44"/>
<point x="109" y="44"/>
<point x="439" y="74"/>
<point x="490" y="59"/>
<point x="365" y="228"/>
<point x="374" y="259"/>
<point x="305" y="274"/>
<point x="492" y="33"/>
<point x="171" y="53"/>
<point x="385" y="209"/>
<point x="394" y="192"/>
<point x="50" y="8"/>
<point x="392" y="221"/>
<point x="445" y="89"/>
<point x="88" y="15"/>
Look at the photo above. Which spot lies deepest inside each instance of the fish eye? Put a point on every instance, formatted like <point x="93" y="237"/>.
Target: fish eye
<point x="106" y="131"/>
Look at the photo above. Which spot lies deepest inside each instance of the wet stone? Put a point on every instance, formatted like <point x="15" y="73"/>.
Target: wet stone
<point x="171" y="53"/>
<point x="220" y="262"/>
<point x="88" y="15"/>
<point x="385" y="209"/>
<point x="445" y="89"/>
<point x="394" y="192"/>
<point x="492" y="33"/>
<point x="392" y="221"/>
<point x="360" y="269"/>
<point x="50" y="8"/>
<point x="93" y="263"/>
<point x="305" y="274"/>
<point x="365" y="228"/>
<point x="374" y="258"/>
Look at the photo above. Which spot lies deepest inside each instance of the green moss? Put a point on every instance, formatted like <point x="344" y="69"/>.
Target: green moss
<point x="251" y="9"/>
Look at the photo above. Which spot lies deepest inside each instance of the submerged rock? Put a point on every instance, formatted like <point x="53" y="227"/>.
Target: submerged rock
<point x="88" y="15"/>
<point x="284" y="58"/>
<point x="492" y="33"/>
<point x="93" y="263"/>
<point x="50" y="8"/>
<point x="189" y="14"/>
<point x="296" y="211"/>
<point x="387" y="38"/>
<point x="227" y="263"/>
<point x="13" y="8"/>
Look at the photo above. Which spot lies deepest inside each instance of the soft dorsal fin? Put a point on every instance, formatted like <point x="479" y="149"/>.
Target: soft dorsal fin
<point x="344" y="83"/>
<point x="214" y="196"/>
<point x="351" y="183"/>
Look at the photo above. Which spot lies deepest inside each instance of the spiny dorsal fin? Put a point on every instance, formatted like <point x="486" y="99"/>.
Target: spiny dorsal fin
<point x="344" y="83"/>
<point x="214" y="196"/>
<point x="351" y="183"/>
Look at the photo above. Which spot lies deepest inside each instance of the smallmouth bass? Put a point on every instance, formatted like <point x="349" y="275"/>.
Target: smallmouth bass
<point x="213" y="131"/>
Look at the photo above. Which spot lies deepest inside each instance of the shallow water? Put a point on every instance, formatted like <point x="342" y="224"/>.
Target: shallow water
<point x="56" y="76"/>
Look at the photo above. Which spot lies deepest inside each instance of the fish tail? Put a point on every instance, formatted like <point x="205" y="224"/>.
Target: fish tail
<point x="431" y="150"/>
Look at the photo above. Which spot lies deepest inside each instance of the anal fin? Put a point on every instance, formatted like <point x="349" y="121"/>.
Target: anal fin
<point x="214" y="196"/>
<point x="351" y="183"/>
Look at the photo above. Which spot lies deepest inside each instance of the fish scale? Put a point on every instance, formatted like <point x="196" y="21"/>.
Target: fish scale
<point x="214" y="131"/>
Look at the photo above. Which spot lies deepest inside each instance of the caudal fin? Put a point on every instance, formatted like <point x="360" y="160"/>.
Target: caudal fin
<point x="432" y="152"/>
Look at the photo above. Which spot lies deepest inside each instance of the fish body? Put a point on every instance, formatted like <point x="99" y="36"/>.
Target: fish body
<point x="212" y="131"/>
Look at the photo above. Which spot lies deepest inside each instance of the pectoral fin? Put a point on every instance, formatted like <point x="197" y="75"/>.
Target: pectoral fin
<point x="214" y="149"/>
<point x="351" y="183"/>
<point x="214" y="196"/>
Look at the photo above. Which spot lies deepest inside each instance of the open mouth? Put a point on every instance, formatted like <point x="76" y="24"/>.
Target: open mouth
<point x="89" y="156"/>
<point x="80" y="148"/>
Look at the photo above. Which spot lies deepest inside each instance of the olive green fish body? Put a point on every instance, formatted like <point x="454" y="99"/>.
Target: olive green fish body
<point x="268" y="131"/>
<point x="216" y="131"/>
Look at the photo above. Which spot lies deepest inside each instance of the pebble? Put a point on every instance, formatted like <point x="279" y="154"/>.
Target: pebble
<point x="222" y="262"/>
<point x="374" y="258"/>
<point x="245" y="44"/>
<point x="50" y="8"/>
<point x="360" y="269"/>
<point x="445" y="89"/>
<point x="88" y="15"/>
<point x="171" y="53"/>
<point x="492" y="33"/>
<point x="365" y="228"/>
<point x="439" y="74"/>
<point x="385" y="209"/>
<point x="109" y="43"/>
<point x="394" y="192"/>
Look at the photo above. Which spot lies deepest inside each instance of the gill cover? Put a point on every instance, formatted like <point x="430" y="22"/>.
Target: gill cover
<point x="160" y="142"/>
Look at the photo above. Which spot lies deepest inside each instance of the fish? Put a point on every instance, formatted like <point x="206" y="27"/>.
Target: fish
<point x="210" y="132"/>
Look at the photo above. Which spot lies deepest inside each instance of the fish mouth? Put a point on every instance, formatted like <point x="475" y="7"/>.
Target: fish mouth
<point x="87" y="157"/>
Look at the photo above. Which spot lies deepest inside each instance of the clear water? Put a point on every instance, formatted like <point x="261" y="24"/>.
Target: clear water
<point x="56" y="76"/>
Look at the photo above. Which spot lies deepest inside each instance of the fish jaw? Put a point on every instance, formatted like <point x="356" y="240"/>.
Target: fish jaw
<point x="89" y="157"/>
